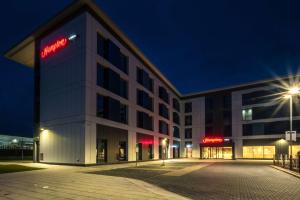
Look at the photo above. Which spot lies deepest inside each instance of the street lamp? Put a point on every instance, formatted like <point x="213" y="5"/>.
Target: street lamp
<point x="293" y="91"/>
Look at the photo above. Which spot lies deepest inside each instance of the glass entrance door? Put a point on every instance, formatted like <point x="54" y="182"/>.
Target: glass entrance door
<point x="217" y="152"/>
<point x="101" y="151"/>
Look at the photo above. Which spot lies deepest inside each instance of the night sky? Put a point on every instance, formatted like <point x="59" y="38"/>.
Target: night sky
<point x="197" y="45"/>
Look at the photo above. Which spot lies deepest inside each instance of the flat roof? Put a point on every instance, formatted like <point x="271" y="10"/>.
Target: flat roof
<point x="244" y="86"/>
<point x="24" y="51"/>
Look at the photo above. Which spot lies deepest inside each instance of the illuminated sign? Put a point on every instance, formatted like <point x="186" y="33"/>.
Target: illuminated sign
<point x="213" y="140"/>
<point x="55" y="46"/>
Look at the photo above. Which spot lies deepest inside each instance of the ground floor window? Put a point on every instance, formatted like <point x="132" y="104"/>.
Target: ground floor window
<point x="295" y="150"/>
<point x="258" y="152"/>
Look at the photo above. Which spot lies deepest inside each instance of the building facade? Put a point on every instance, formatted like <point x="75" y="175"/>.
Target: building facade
<point x="98" y="99"/>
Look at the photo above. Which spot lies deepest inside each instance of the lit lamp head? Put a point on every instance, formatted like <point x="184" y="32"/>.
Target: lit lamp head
<point x="294" y="91"/>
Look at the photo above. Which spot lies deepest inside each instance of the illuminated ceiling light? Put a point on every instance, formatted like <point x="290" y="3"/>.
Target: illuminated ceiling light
<point x="294" y="90"/>
<point x="42" y="129"/>
<point x="72" y="37"/>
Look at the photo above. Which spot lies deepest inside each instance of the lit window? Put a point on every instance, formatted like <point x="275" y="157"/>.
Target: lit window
<point x="247" y="114"/>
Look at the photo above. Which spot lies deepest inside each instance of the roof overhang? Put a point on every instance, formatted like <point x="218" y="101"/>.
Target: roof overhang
<point x="24" y="51"/>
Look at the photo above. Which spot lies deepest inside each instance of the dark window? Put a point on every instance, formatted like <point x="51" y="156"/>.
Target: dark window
<point x="269" y="128"/>
<point x="163" y="94"/>
<point x="110" y="80"/>
<point x="227" y="131"/>
<point x="111" y="52"/>
<point x="176" y="104"/>
<point x="188" y="120"/>
<point x="227" y="116"/>
<point x="208" y="130"/>
<point x="163" y="111"/>
<point x="227" y="101"/>
<point x="111" y="109"/>
<point x="124" y="63"/>
<point x="275" y="111"/>
<point x="261" y="96"/>
<point x="144" y="79"/>
<point x="188" y="133"/>
<point x="163" y="127"/>
<point x="176" y="118"/>
<point x="101" y="45"/>
<point x="144" y="100"/>
<point x="188" y="107"/>
<point x="209" y="104"/>
<point x="176" y="132"/>
<point x="144" y="121"/>
<point x="208" y="117"/>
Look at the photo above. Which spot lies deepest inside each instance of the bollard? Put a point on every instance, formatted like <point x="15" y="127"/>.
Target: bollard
<point x="273" y="159"/>
<point x="291" y="162"/>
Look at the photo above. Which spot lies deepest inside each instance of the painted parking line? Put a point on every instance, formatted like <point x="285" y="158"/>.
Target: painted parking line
<point x="187" y="170"/>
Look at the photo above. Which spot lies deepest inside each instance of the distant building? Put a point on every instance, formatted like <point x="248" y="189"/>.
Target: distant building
<point x="98" y="99"/>
<point x="16" y="148"/>
<point x="15" y="142"/>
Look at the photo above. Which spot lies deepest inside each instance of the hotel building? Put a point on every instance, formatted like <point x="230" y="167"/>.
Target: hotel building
<point x="98" y="99"/>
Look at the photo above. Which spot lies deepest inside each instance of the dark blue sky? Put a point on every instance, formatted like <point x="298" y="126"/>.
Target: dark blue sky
<point x="198" y="45"/>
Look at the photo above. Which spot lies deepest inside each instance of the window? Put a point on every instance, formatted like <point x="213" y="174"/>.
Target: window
<point x="144" y="79"/>
<point x="163" y="94"/>
<point x="188" y="107"/>
<point x="163" y="127"/>
<point x="208" y="117"/>
<point x="227" y="131"/>
<point x="227" y="116"/>
<point x="111" y="109"/>
<point x="188" y="120"/>
<point x="258" y="152"/>
<point x="144" y="100"/>
<point x="123" y="63"/>
<point x="144" y="121"/>
<point x="227" y="101"/>
<point x="111" y="52"/>
<point x="208" y="131"/>
<point x="101" y="45"/>
<point x="110" y="80"/>
<point x="209" y="103"/>
<point x="188" y="133"/>
<point x="247" y="114"/>
<point x="176" y="132"/>
<point x="163" y="111"/>
<point x="176" y="104"/>
<point x="261" y="96"/>
<point x="176" y="118"/>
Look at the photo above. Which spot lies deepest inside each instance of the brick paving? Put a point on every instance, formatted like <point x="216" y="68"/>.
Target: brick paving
<point x="65" y="182"/>
<point x="194" y="180"/>
<point x="249" y="180"/>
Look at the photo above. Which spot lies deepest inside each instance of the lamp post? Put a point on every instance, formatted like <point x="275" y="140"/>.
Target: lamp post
<point x="293" y="91"/>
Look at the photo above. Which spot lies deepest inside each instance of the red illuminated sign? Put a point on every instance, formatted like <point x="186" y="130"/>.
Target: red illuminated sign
<point x="213" y="140"/>
<point x="54" y="47"/>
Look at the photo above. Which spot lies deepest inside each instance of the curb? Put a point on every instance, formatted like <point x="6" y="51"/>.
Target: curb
<point x="295" y="174"/>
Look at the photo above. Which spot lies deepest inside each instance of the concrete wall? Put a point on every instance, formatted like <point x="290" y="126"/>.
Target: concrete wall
<point x="62" y="97"/>
<point x="93" y="26"/>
